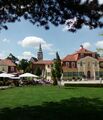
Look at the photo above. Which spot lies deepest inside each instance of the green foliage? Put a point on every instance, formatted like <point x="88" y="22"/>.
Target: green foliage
<point x="56" y="12"/>
<point x="100" y="51"/>
<point x="23" y="65"/>
<point x="57" y="69"/>
<point x="38" y="71"/>
<point x="13" y="58"/>
<point x="53" y="73"/>
<point x="54" y="76"/>
<point x="29" y="67"/>
<point x="83" y="85"/>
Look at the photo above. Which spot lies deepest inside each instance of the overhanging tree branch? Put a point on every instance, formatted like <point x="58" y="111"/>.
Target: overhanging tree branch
<point x="43" y="12"/>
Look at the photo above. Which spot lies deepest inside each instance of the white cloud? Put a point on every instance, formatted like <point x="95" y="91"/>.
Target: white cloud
<point x="100" y="1"/>
<point x="52" y="52"/>
<point x="5" y="40"/>
<point x="1" y="56"/>
<point x="47" y="46"/>
<point x="99" y="44"/>
<point x="86" y="45"/>
<point x="25" y="55"/>
<point x="35" y="41"/>
<point x="31" y="41"/>
<point x="65" y="28"/>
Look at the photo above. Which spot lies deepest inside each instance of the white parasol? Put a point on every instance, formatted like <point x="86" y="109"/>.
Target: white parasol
<point x="6" y="75"/>
<point x="28" y="75"/>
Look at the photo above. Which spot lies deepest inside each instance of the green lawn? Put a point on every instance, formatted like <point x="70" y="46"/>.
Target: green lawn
<point x="51" y="103"/>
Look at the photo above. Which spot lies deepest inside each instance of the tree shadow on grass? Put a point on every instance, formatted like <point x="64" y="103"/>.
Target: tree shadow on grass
<point x="72" y="109"/>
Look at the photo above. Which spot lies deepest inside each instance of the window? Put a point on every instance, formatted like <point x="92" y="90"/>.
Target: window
<point x="100" y="73"/>
<point x="48" y="66"/>
<point x="67" y="64"/>
<point x="75" y="73"/>
<point x="48" y="74"/>
<point x="12" y="69"/>
<point x="101" y="64"/>
<point x="81" y="64"/>
<point x="70" y="74"/>
<point x="81" y="73"/>
<point x="73" y="64"/>
<point x="97" y="73"/>
<point x="65" y="74"/>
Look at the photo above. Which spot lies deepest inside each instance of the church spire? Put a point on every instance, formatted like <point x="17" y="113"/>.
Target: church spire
<point x="40" y="49"/>
<point x="40" y="53"/>
<point x="81" y="46"/>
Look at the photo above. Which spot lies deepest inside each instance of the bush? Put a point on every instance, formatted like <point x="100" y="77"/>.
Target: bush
<point x="83" y="85"/>
<point x="1" y="83"/>
<point x="55" y="82"/>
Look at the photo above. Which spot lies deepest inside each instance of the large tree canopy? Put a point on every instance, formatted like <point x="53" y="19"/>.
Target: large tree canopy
<point x="43" y="12"/>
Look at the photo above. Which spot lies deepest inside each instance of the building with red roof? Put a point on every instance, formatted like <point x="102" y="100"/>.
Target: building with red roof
<point x="82" y="63"/>
<point x="7" y="65"/>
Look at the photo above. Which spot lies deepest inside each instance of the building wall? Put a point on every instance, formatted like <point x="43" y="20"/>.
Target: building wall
<point x="88" y="65"/>
<point x="85" y="67"/>
<point x="69" y="73"/>
<point x="41" y="66"/>
<point x="48" y="72"/>
<point x="8" y="69"/>
<point x="3" y="68"/>
<point x="11" y="69"/>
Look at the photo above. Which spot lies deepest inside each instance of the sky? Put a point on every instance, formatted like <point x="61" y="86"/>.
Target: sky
<point x="22" y="39"/>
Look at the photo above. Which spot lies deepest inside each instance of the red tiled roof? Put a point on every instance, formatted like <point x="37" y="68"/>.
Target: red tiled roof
<point x="7" y="62"/>
<point x="83" y="50"/>
<point x="72" y="57"/>
<point x="100" y="59"/>
<point x="45" y="62"/>
<point x="75" y="56"/>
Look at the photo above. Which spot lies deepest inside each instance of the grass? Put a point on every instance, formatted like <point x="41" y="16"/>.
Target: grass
<point x="51" y="103"/>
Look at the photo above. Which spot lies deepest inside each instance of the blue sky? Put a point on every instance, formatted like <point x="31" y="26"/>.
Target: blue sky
<point x="23" y="39"/>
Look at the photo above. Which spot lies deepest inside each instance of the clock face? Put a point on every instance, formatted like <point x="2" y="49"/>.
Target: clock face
<point x="101" y="64"/>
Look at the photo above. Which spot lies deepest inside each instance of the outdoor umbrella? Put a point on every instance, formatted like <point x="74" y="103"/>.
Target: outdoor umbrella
<point x="28" y="75"/>
<point x="6" y="75"/>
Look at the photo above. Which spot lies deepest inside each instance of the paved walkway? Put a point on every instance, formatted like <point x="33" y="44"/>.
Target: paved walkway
<point x="82" y="82"/>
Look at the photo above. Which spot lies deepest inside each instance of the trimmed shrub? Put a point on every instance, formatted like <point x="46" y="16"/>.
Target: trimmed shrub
<point x="83" y="85"/>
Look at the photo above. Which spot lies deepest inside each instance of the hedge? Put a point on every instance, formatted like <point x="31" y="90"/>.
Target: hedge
<point x="83" y="85"/>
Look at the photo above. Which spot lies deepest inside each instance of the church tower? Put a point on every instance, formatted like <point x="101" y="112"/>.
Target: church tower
<point x="40" y="53"/>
